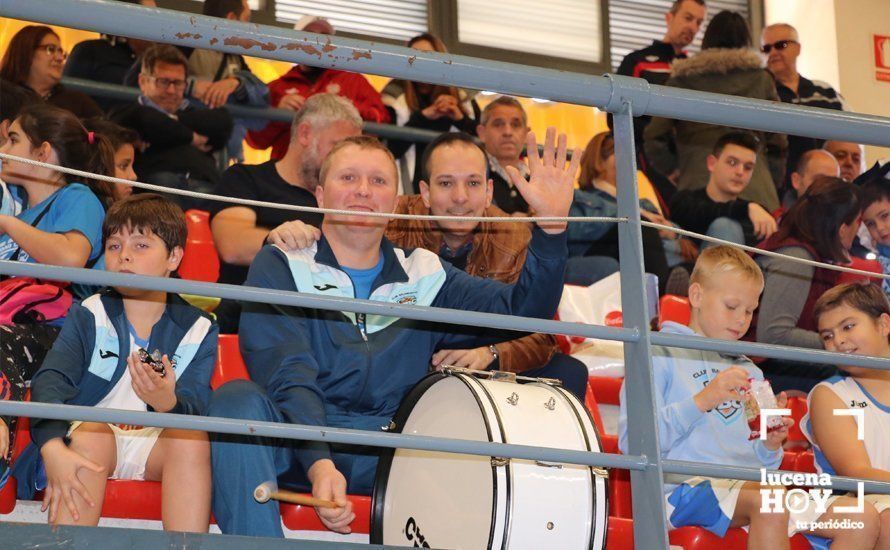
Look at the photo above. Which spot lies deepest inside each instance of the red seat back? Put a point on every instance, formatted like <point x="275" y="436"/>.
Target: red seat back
<point x="229" y="363"/>
<point x="865" y="265"/>
<point x="605" y="389"/>
<point x="796" y="438"/>
<point x="593" y="408"/>
<point x="674" y="308"/>
<point x="200" y="262"/>
<point x="806" y="463"/>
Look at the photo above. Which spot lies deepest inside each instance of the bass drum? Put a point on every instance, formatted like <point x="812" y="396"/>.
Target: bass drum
<point x="444" y="500"/>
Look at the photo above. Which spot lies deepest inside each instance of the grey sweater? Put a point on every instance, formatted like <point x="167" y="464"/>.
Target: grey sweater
<point x="785" y="291"/>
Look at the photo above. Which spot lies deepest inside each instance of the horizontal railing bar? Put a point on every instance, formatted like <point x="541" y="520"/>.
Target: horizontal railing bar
<point x="299" y="299"/>
<point x="238" y="426"/>
<point x="116" y="91"/>
<point x="443" y="315"/>
<point x="772" y="351"/>
<point x="284" y="44"/>
<point x="685" y="467"/>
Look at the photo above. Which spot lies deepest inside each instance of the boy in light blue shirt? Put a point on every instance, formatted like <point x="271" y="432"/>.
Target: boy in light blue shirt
<point x="701" y="417"/>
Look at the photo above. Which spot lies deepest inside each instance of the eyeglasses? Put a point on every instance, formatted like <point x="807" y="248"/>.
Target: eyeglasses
<point x="779" y="46"/>
<point x="165" y="83"/>
<point x="51" y="50"/>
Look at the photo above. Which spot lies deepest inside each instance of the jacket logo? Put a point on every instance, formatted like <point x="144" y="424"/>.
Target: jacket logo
<point x="106" y="354"/>
<point x="405" y="298"/>
<point x="322" y="288"/>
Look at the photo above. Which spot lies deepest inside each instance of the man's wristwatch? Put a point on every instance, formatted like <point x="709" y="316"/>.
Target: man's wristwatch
<point x="496" y="357"/>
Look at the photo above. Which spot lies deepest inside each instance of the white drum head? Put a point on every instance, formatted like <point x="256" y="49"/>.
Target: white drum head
<point x="441" y="500"/>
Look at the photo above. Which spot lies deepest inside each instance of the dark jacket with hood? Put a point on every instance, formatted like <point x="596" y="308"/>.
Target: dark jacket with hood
<point x="736" y="72"/>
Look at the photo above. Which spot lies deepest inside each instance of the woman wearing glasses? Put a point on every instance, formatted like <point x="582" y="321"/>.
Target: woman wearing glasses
<point x="35" y="59"/>
<point x="727" y="65"/>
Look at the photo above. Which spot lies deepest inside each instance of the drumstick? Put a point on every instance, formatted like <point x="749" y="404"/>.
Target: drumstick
<point x="268" y="491"/>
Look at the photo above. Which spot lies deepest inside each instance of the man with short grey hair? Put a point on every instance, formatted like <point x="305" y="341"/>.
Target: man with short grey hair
<point x="239" y="231"/>
<point x="780" y="45"/>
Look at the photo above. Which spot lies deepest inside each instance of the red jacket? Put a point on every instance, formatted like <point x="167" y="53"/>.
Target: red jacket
<point x="352" y="86"/>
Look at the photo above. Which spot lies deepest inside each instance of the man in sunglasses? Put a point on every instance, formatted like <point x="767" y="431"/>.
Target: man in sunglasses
<point x="781" y="47"/>
<point x="178" y="135"/>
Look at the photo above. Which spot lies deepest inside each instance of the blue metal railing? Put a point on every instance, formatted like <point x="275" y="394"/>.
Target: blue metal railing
<point x="623" y="96"/>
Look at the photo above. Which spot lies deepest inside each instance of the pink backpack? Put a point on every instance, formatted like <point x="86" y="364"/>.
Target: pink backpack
<point x="25" y="300"/>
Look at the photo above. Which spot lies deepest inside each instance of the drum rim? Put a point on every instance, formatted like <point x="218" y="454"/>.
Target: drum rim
<point x="574" y="402"/>
<point x="508" y="472"/>
<point x="384" y="463"/>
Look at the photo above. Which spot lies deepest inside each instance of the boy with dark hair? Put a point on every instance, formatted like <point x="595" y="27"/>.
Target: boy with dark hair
<point x="874" y="197"/>
<point x="130" y="349"/>
<point x="716" y="210"/>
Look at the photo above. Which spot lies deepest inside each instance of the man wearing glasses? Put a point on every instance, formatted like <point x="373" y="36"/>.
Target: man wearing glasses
<point x="781" y="47"/>
<point x="178" y="135"/>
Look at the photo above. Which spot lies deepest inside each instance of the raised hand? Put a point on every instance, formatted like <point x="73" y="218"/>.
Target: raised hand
<point x="551" y="185"/>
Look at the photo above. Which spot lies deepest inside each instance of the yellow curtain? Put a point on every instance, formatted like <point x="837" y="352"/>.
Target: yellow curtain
<point x="579" y="123"/>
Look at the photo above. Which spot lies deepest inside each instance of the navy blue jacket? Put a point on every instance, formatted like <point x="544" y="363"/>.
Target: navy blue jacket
<point x="322" y="368"/>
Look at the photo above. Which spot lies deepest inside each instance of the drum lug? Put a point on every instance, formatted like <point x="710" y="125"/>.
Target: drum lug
<point x="513" y="399"/>
<point x="391" y="427"/>
<point x="600" y="472"/>
<point x="550" y="404"/>
<point x="499" y="462"/>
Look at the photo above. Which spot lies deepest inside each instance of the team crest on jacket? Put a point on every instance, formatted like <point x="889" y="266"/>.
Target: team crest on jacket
<point x="405" y="298"/>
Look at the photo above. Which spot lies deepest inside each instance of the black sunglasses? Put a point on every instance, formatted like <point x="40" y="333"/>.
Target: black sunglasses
<point x="779" y="46"/>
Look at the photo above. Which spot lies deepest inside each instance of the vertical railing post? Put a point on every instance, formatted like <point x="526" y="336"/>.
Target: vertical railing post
<point x="650" y="529"/>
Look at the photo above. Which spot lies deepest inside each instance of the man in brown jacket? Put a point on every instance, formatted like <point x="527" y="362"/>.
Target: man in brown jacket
<point x="455" y="183"/>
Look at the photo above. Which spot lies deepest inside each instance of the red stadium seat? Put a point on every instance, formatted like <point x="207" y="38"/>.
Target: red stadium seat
<point x="796" y="438"/>
<point x="605" y="389"/>
<point x="304" y="518"/>
<point x="806" y="463"/>
<point x="620" y="534"/>
<point x="620" y="502"/>
<point x="789" y="461"/>
<point x="200" y="262"/>
<point x="229" y="363"/>
<point x="865" y="265"/>
<point x="610" y="443"/>
<point x="593" y="408"/>
<point x="696" y="538"/>
<point x="674" y="308"/>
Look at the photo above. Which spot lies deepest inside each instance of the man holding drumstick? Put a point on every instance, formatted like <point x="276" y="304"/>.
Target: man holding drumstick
<point x="351" y="370"/>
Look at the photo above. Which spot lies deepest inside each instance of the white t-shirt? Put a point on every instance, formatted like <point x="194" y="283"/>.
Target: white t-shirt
<point x="122" y="396"/>
<point x="876" y="417"/>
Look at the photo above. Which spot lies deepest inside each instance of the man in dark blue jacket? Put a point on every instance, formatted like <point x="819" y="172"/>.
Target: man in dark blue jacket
<point x="353" y="370"/>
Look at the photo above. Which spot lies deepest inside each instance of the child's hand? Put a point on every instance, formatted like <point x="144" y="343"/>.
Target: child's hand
<point x="62" y="465"/>
<point x="156" y="391"/>
<point x="723" y="387"/>
<point x="775" y="438"/>
<point x="4" y="439"/>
